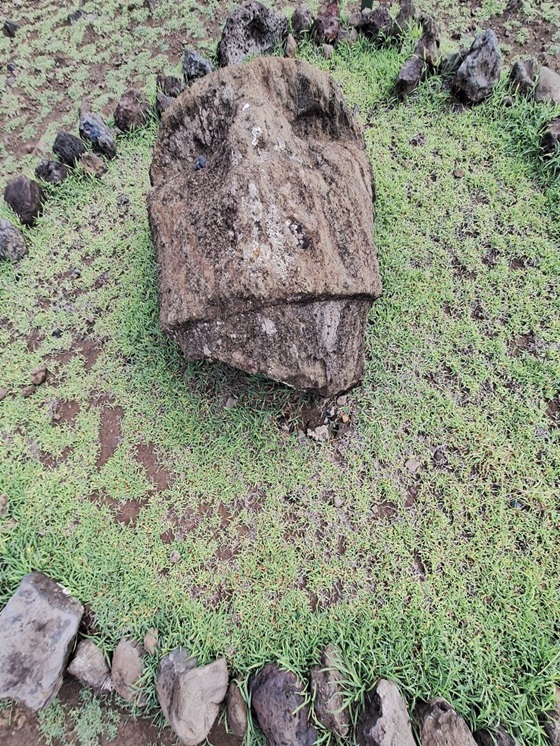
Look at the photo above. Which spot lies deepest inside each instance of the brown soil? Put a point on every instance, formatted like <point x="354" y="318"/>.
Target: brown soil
<point x="110" y="433"/>
<point x="20" y="726"/>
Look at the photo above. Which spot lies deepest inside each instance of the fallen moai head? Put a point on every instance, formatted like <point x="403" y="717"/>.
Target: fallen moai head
<point x="261" y="214"/>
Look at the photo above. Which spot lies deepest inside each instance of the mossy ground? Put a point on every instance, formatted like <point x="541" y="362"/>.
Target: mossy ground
<point x="445" y="580"/>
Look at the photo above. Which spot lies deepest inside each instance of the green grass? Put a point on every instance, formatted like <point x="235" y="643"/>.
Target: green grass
<point x="445" y="581"/>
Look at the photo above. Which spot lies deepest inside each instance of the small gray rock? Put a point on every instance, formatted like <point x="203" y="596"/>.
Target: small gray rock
<point x="94" y="130"/>
<point x="90" y="667"/>
<point x="169" y="85"/>
<point x="291" y="46"/>
<point x="127" y="670"/>
<point x="326" y="684"/>
<point x="302" y="21"/>
<point x="195" y="66"/>
<point x="190" y="696"/>
<point x="251" y="29"/>
<point x="10" y="28"/>
<point x="498" y="737"/>
<point x="132" y="111"/>
<point x="410" y="75"/>
<point x="38" y="627"/>
<point x="163" y="103"/>
<point x="523" y="76"/>
<point x="93" y="165"/>
<point x="12" y="243"/>
<point x="236" y="711"/>
<point x="441" y="725"/>
<point x="68" y="148"/>
<point x="480" y="70"/>
<point x="384" y="720"/>
<point x="548" y="87"/>
<point x="25" y="197"/>
<point x="51" y="171"/>
<point x="279" y="707"/>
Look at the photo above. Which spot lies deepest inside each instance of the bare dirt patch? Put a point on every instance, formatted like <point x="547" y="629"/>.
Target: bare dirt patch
<point x="110" y="433"/>
<point x="155" y="471"/>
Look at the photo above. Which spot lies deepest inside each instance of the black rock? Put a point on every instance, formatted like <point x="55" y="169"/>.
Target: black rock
<point x="410" y="75"/>
<point x="480" y="70"/>
<point x="25" y="197"/>
<point x="280" y="709"/>
<point x="326" y="26"/>
<point x="523" y="76"/>
<point x="9" y="28"/>
<point x="132" y="111"/>
<point x="302" y="21"/>
<point x="12" y="243"/>
<point x="550" y="142"/>
<point x="195" y="66"/>
<point x="163" y="103"/>
<point x="378" y="26"/>
<point x="51" y="171"/>
<point x="94" y="130"/>
<point x="407" y="15"/>
<point x="497" y="738"/>
<point x="452" y="62"/>
<point x="169" y="85"/>
<point x="250" y="30"/>
<point x="74" y="17"/>
<point x="68" y="148"/>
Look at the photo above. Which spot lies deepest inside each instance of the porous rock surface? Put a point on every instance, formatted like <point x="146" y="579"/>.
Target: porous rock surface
<point x="265" y="253"/>
<point x="384" y="720"/>
<point x="132" y="111"/>
<point x="480" y="70"/>
<point x="190" y="695"/>
<point x="251" y="29"/>
<point x="12" y="242"/>
<point x="279" y="707"/>
<point x="441" y="725"/>
<point x="38" y="627"/>
<point x="550" y="141"/>
<point x="51" y="171"/>
<point x="326" y="685"/>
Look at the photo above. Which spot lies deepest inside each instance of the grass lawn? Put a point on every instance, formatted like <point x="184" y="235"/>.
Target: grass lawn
<point x="230" y="533"/>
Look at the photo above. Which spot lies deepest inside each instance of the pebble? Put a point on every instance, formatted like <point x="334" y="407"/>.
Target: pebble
<point x="151" y="641"/>
<point x="93" y="165"/>
<point x="26" y="391"/>
<point x="39" y="375"/>
<point x="174" y="557"/>
<point x="10" y="28"/>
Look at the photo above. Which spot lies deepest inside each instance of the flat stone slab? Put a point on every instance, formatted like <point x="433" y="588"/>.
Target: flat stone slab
<point x="38" y="627"/>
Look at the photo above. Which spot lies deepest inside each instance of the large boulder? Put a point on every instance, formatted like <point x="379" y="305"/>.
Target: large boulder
<point x="38" y="627"/>
<point x="384" y="719"/>
<point x="251" y="29"/>
<point x="190" y="695"/>
<point x="280" y="708"/>
<point x="480" y="70"/>
<point x="265" y="252"/>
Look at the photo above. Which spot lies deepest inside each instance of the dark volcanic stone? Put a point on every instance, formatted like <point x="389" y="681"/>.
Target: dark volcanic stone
<point x="279" y="708"/>
<point x="326" y="26"/>
<point x="409" y="77"/>
<point x="10" y="28"/>
<point x="51" y="171"/>
<point x="497" y="738"/>
<point x="25" y="197"/>
<point x="12" y="243"/>
<point x="550" y="142"/>
<point x="94" y="129"/>
<point x="251" y="29"/>
<point x="93" y="165"/>
<point x="252" y="249"/>
<point x="169" y="85"/>
<point x="523" y="76"/>
<point x="480" y="70"/>
<point x="407" y="15"/>
<point x="195" y="66"/>
<point x="301" y="21"/>
<point x="378" y="25"/>
<point x="236" y="711"/>
<point x="68" y="148"/>
<point x="384" y="720"/>
<point x="132" y="111"/>
<point x="163" y="103"/>
<point x="38" y="627"/>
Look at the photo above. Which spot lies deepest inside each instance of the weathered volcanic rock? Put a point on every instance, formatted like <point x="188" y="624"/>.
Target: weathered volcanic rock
<point x="378" y="25"/>
<point x="498" y="737"/>
<point x="424" y="61"/>
<point x="523" y="76"/>
<point x="195" y="66"/>
<point x="51" y="171"/>
<point x="126" y="671"/>
<point x="266" y="256"/>
<point x="25" y="197"/>
<point x="550" y="142"/>
<point x="326" y="684"/>
<point x="326" y="26"/>
<point x="441" y="725"/>
<point x="236" y="711"/>
<point x="163" y="103"/>
<point x="10" y="28"/>
<point x="407" y="15"/>
<point x="12" y="243"/>
<point x="251" y="29"/>
<point x="38" y="627"/>
<point x="480" y="70"/>
<point x="93" y="165"/>
<point x="169" y="85"/>
<point x="190" y="696"/>
<point x="384" y="720"/>
<point x="279" y="707"/>
<point x="68" y="148"/>
<point x="94" y="130"/>
<point x="552" y="721"/>
<point x="90" y="667"/>
<point x="301" y="21"/>
<point x="132" y="111"/>
<point x="548" y="86"/>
